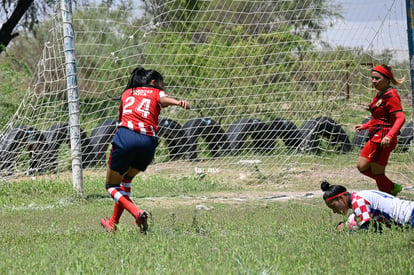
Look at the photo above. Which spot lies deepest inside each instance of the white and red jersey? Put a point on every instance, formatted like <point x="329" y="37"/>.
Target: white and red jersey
<point x="382" y="207"/>
<point x="140" y="108"/>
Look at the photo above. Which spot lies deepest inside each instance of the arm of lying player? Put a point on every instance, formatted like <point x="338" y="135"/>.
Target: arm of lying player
<point x="168" y="101"/>
<point x="342" y="225"/>
<point x="362" y="228"/>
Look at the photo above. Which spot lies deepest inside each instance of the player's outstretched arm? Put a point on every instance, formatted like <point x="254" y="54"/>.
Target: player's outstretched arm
<point x="168" y="101"/>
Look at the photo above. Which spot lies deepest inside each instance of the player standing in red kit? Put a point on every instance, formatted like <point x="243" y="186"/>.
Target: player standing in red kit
<point x="135" y="141"/>
<point x="383" y="128"/>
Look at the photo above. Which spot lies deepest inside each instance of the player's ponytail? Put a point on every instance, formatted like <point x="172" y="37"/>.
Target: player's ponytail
<point x="395" y="81"/>
<point x="331" y="191"/>
<point x="138" y="78"/>
<point x="387" y="71"/>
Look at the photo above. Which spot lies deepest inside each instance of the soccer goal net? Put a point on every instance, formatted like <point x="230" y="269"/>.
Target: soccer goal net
<point x="275" y="86"/>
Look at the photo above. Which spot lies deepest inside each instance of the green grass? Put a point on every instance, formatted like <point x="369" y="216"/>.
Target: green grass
<point x="46" y="229"/>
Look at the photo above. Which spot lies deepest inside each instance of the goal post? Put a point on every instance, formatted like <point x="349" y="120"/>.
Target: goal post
<point x="275" y="86"/>
<point x="410" y="22"/>
<point x="73" y="95"/>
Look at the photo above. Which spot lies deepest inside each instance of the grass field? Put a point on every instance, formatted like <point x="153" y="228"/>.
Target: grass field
<point x="198" y="226"/>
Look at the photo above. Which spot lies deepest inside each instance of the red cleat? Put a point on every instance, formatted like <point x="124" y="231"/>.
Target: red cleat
<point x="106" y="224"/>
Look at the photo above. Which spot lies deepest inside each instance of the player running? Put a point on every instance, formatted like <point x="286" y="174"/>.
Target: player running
<point x="135" y="141"/>
<point x="383" y="127"/>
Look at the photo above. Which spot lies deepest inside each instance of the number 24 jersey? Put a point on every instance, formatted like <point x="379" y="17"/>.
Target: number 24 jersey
<point x="140" y="108"/>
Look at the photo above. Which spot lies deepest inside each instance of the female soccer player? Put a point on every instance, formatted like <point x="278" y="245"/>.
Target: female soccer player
<point x="387" y="118"/>
<point x="368" y="206"/>
<point x="134" y="143"/>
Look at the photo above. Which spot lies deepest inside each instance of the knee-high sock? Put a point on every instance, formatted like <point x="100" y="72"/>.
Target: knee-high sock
<point x="368" y="173"/>
<point x="123" y="201"/>
<point x="116" y="215"/>
<point x="383" y="182"/>
<point x="119" y="209"/>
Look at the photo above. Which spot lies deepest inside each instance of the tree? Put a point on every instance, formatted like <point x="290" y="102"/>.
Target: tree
<point x="7" y="32"/>
<point x="307" y="19"/>
<point x="24" y="15"/>
<point x="21" y="15"/>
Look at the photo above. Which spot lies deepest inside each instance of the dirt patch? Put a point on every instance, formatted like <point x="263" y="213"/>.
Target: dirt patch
<point x="233" y="197"/>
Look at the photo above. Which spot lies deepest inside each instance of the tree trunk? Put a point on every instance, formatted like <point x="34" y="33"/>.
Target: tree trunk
<point x="6" y="31"/>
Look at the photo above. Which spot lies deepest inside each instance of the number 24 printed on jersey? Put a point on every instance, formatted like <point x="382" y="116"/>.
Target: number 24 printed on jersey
<point x="142" y="107"/>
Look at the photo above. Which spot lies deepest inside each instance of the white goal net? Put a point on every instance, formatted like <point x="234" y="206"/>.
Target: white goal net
<point x="275" y="86"/>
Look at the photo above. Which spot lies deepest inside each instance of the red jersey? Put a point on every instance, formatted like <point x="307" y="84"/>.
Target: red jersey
<point x="383" y="107"/>
<point x="140" y="108"/>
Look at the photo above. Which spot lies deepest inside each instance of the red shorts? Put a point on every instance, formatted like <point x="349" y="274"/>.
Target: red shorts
<point x="374" y="152"/>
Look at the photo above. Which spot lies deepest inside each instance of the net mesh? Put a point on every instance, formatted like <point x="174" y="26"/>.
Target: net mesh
<point x="274" y="86"/>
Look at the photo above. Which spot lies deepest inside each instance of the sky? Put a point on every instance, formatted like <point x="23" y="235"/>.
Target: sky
<point x="371" y="24"/>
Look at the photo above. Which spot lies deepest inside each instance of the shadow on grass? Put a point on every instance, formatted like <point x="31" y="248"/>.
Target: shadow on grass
<point x="96" y="197"/>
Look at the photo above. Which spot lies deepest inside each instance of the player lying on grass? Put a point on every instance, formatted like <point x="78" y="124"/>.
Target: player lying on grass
<point x="369" y="206"/>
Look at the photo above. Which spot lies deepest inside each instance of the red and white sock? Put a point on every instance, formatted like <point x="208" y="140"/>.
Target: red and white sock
<point x="122" y="200"/>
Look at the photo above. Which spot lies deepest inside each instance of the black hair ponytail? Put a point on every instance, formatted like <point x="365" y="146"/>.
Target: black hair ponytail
<point x="137" y="79"/>
<point x="331" y="190"/>
<point x="142" y="78"/>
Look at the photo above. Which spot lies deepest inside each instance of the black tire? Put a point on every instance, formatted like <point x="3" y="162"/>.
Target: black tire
<point x="86" y="147"/>
<point x="100" y="138"/>
<point x="361" y="137"/>
<point x="205" y="128"/>
<point x="335" y="133"/>
<point x="406" y="136"/>
<point x="236" y="135"/>
<point x="35" y="145"/>
<point x="309" y="135"/>
<point x="168" y="128"/>
<point x="324" y="127"/>
<point x="264" y="137"/>
<point x="173" y="133"/>
<point x="16" y="139"/>
<point x="54" y="137"/>
<point x="287" y="131"/>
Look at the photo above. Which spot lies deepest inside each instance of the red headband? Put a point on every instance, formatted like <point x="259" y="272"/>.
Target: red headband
<point x="383" y="71"/>
<point x="340" y="194"/>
